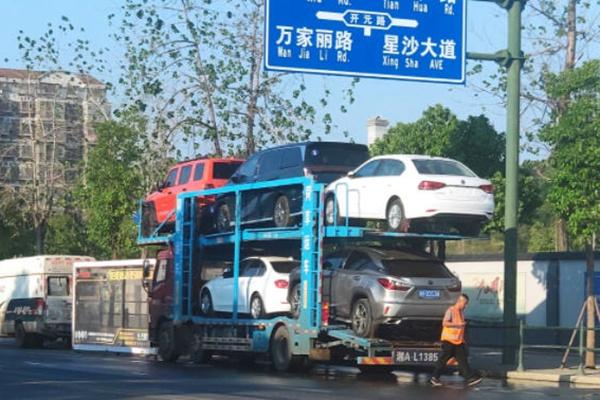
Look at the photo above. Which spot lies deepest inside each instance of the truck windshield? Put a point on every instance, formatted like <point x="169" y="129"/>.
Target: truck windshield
<point x="441" y="167"/>
<point x="416" y="268"/>
<point x="58" y="286"/>
<point x="284" y="267"/>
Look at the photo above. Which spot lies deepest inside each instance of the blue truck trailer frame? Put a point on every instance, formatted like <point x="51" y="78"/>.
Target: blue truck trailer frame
<point x="290" y="342"/>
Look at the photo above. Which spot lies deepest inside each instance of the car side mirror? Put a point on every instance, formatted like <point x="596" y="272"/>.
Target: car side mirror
<point x="228" y="273"/>
<point x="351" y="174"/>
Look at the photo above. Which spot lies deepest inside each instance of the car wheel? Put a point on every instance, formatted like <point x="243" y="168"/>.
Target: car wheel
<point x="281" y="212"/>
<point x="149" y="222"/>
<point x="362" y="319"/>
<point x="295" y="301"/>
<point x="223" y="218"/>
<point x="330" y="218"/>
<point x="281" y="351"/>
<point x="395" y="218"/>
<point x="21" y="338"/>
<point x="206" y="304"/>
<point x="167" y="349"/>
<point x="257" y="309"/>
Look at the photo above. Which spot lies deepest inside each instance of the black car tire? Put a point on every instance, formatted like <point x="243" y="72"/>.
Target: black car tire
<point x="223" y="218"/>
<point x="281" y="212"/>
<point x="362" y="319"/>
<point x="257" y="308"/>
<point x="167" y="348"/>
<point x="394" y="216"/>
<point x="329" y="207"/>
<point x="206" y="304"/>
<point x="294" y="301"/>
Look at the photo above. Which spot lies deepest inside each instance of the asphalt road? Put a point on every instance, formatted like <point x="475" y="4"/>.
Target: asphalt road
<point x="64" y="374"/>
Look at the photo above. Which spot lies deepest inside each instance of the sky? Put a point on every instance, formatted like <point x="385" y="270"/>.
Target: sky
<point x="397" y="101"/>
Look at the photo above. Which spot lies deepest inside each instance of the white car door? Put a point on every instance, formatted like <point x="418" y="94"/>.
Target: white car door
<point x="389" y="182"/>
<point x="256" y="283"/>
<point x="247" y="271"/>
<point x="355" y="191"/>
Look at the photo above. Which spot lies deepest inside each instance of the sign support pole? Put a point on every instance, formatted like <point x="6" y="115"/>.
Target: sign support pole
<point x="512" y="59"/>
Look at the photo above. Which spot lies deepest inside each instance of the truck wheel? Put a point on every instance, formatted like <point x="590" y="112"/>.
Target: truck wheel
<point x="295" y="301"/>
<point x="281" y="212"/>
<point x="167" y="349"/>
<point x="281" y="351"/>
<point x="21" y="337"/>
<point x="257" y="309"/>
<point x="362" y="319"/>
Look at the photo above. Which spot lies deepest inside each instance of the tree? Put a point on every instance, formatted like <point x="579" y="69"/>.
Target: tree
<point x="194" y="68"/>
<point x="574" y="135"/>
<point x="42" y="134"/>
<point x="113" y="184"/>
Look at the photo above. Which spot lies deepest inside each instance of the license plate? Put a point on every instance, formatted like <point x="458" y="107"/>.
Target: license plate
<point x="415" y="356"/>
<point x="429" y="294"/>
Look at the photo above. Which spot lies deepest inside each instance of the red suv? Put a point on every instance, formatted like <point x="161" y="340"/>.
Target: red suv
<point x="186" y="176"/>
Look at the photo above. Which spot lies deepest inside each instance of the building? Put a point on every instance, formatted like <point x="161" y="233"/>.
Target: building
<point x="47" y="124"/>
<point x="376" y="129"/>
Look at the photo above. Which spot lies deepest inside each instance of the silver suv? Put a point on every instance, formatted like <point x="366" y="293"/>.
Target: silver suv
<point x="369" y="287"/>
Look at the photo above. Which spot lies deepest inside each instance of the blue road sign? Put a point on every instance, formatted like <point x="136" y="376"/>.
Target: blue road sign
<point x="422" y="40"/>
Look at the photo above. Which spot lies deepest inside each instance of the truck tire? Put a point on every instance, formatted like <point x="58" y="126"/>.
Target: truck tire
<point x="21" y="337"/>
<point x="281" y="351"/>
<point x="294" y="301"/>
<point x="167" y="348"/>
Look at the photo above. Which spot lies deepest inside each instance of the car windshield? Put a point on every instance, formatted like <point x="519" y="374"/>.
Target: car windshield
<point x="225" y="170"/>
<point x="416" y="268"/>
<point x="336" y="154"/>
<point x="441" y="167"/>
<point x="284" y="267"/>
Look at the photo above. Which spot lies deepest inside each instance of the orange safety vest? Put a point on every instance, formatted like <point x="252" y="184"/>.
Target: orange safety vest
<point x="451" y="334"/>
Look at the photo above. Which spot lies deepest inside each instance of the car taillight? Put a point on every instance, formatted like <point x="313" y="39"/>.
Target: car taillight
<point x="393" y="285"/>
<point x="487" y="188"/>
<point x="455" y="288"/>
<point x="325" y="314"/>
<point x="431" y="185"/>
<point x="281" y="283"/>
<point x="40" y="306"/>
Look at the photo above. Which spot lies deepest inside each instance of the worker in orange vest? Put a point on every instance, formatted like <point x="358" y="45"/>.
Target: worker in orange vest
<point x="453" y="343"/>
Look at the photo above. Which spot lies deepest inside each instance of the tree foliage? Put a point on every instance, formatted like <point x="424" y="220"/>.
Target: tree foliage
<point x="574" y="135"/>
<point x="113" y="184"/>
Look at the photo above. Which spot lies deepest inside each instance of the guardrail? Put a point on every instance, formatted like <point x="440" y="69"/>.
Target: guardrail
<point x="581" y="347"/>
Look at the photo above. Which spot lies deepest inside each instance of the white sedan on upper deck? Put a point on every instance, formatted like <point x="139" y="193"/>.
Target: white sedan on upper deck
<point x="413" y="192"/>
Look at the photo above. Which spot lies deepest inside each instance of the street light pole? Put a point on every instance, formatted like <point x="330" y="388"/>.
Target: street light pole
<point x="512" y="59"/>
<point x="513" y="116"/>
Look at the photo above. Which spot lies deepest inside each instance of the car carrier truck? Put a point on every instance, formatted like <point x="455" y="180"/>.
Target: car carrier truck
<point x="177" y="327"/>
<point x="35" y="298"/>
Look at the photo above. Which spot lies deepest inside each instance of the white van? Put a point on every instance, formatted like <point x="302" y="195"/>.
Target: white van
<point x="35" y="298"/>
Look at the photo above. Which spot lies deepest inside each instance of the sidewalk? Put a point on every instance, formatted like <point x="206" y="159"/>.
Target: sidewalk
<point x="541" y="366"/>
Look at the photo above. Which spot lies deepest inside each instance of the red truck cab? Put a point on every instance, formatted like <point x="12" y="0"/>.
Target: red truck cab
<point x="186" y="176"/>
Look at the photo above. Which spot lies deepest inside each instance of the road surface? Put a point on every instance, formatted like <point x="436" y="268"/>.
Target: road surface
<point x="68" y="375"/>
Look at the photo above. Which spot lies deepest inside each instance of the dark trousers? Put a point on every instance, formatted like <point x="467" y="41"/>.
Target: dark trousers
<point x="459" y="352"/>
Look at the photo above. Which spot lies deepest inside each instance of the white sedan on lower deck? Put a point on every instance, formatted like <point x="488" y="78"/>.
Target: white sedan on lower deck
<point x="413" y="192"/>
<point x="262" y="288"/>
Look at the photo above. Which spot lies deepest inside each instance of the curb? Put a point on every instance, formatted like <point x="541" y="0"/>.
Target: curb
<point x="537" y="376"/>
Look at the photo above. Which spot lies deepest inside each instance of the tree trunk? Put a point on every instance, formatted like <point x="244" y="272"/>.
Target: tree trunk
<point x="571" y="34"/>
<point x="590" y="356"/>
<point x="561" y="242"/>
<point x="40" y="238"/>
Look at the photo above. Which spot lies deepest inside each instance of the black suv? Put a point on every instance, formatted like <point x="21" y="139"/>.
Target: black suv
<point x="282" y="206"/>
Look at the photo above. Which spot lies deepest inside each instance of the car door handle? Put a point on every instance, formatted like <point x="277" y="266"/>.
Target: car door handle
<point x="184" y="190"/>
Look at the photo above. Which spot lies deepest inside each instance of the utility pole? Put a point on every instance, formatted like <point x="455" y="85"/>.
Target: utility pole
<point x="512" y="59"/>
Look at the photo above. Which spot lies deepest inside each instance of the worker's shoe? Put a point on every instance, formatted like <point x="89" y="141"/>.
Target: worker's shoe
<point x="474" y="380"/>
<point x="435" y="381"/>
